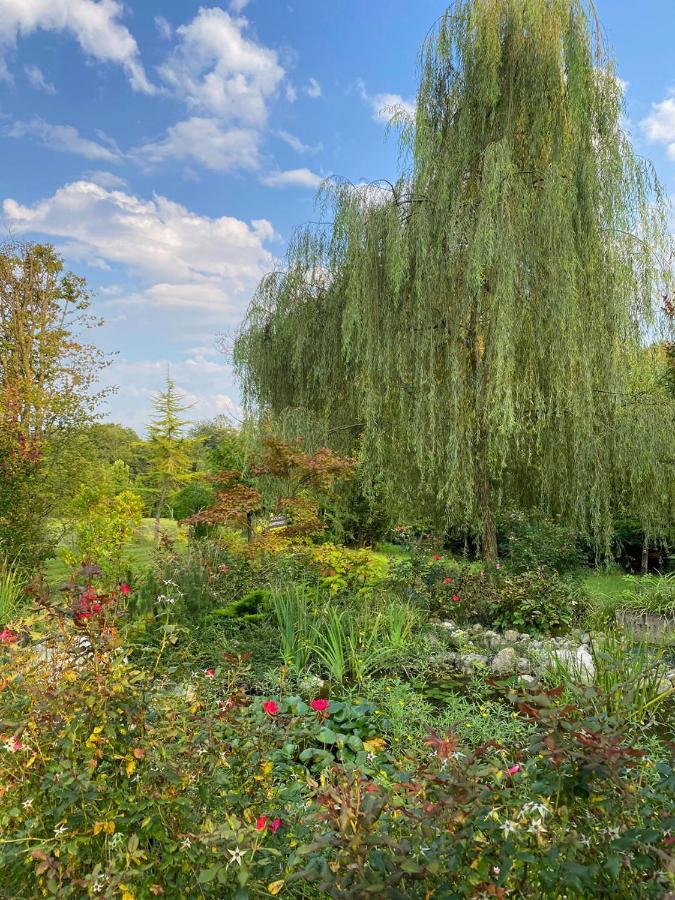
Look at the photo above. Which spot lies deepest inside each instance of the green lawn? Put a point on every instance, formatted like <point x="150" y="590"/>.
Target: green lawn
<point x="138" y="553"/>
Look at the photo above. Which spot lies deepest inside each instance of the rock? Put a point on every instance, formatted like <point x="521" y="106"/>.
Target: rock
<point x="449" y="625"/>
<point x="579" y="662"/>
<point x="671" y="675"/>
<point x="510" y="636"/>
<point x="475" y="629"/>
<point x="527" y="679"/>
<point x="665" y="684"/>
<point x="538" y="645"/>
<point x="505" y="662"/>
<point x="525" y="638"/>
<point x="585" y="637"/>
<point x="472" y="662"/>
<point x="523" y="665"/>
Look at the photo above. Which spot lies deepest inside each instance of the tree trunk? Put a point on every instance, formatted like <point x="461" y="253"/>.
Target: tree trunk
<point x="644" y="568"/>
<point x="488" y="534"/>
<point x="158" y="513"/>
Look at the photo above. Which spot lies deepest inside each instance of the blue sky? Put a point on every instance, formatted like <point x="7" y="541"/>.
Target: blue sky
<point x="169" y="148"/>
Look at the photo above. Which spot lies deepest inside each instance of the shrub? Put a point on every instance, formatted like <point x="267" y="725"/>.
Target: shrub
<point x="532" y="543"/>
<point x="650" y="594"/>
<point x="539" y="601"/>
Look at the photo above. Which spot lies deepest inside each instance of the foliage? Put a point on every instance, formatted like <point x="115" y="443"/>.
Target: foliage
<point x="47" y="379"/>
<point x="650" y="594"/>
<point x="109" y="513"/>
<point x="169" y="452"/>
<point x="540" y="601"/>
<point x="282" y="481"/>
<point x="630" y="683"/>
<point x="475" y="331"/>
<point x="12" y="591"/>
<point x="532" y="543"/>
<point x="342" y="570"/>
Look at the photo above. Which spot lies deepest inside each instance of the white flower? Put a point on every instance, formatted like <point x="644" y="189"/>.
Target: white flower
<point x="187" y="843"/>
<point x="508" y="827"/>
<point x="59" y="830"/>
<point x="237" y="855"/>
<point x="27" y="804"/>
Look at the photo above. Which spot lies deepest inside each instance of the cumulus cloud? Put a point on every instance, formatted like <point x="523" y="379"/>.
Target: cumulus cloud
<point x="181" y="259"/>
<point x="95" y="25"/>
<point x="37" y="80"/>
<point x="219" y="71"/>
<point x="64" y="138"/>
<point x="202" y="376"/>
<point x="384" y="106"/>
<point x="313" y="88"/>
<point x="659" y="125"/>
<point x="292" y="178"/>
<point x="205" y="141"/>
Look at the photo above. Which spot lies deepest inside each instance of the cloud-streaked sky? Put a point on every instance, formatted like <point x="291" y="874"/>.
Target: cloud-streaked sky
<point x="169" y="147"/>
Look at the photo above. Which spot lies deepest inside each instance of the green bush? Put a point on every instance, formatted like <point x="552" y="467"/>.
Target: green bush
<point x="531" y="543"/>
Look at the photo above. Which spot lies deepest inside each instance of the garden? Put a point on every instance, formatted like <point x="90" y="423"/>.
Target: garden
<point x="408" y="629"/>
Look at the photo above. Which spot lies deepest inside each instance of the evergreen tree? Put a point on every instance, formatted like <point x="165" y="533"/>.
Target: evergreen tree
<point x="169" y="451"/>
<point x="475" y="329"/>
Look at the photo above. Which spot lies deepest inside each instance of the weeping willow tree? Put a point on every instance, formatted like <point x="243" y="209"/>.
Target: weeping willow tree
<point x="472" y="329"/>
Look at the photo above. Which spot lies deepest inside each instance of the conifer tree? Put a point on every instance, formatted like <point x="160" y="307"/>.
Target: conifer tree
<point x="170" y="452"/>
<point x="475" y="328"/>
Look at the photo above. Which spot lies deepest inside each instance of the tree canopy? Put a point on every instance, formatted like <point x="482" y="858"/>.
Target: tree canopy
<point x="477" y="329"/>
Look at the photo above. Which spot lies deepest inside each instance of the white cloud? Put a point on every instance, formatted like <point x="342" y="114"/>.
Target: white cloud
<point x="313" y="88"/>
<point x="182" y="260"/>
<point x="291" y="93"/>
<point x="218" y="71"/>
<point x="95" y="25"/>
<point x="164" y="29"/>
<point x="204" y="140"/>
<point x="238" y="6"/>
<point x="106" y="179"/>
<point x="37" y="80"/>
<point x="293" y="178"/>
<point x="659" y="125"/>
<point x="64" y="138"/>
<point x="296" y="144"/>
<point x="202" y="377"/>
<point x="384" y="106"/>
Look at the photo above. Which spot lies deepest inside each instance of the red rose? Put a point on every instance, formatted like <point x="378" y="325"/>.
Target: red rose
<point x="261" y="823"/>
<point x="274" y="825"/>
<point x="436" y="557"/>
<point x="209" y="673"/>
<point x="270" y="708"/>
<point x="455" y="598"/>
<point x="125" y="590"/>
<point x="319" y="705"/>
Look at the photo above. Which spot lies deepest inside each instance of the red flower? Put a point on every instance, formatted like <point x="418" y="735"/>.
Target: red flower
<point x="274" y="825"/>
<point x="455" y="598"/>
<point x="270" y="708"/>
<point x="261" y="823"/>
<point x="14" y="744"/>
<point x="498" y="566"/>
<point x="209" y="672"/>
<point x="96" y="608"/>
<point x="224" y="568"/>
<point x="319" y="705"/>
<point x="514" y="770"/>
<point x="7" y="636"/>
<point x="89" y="594"/>
<point x="125" y="590"/>
<point x="436" y="557"/>
<point x="447" y="581"/>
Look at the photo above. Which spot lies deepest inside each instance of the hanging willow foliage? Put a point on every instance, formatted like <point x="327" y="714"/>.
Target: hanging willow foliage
<point x="478" y="329"/>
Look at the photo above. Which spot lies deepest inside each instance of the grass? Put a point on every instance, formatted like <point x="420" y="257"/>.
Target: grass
<point x="138" y="554"/>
